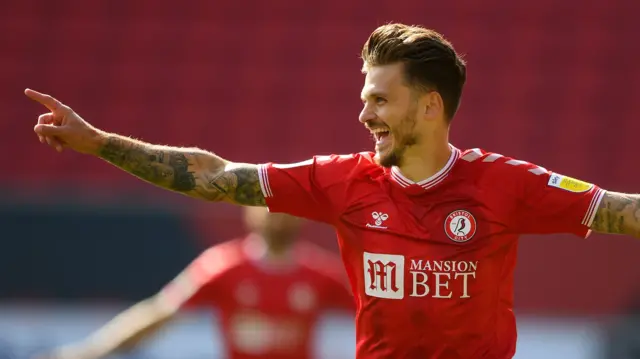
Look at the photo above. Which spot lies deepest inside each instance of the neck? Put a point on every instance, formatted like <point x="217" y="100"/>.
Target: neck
<point x="258" y="250"/>
<point x="427" y="158"/>
<point x="278" y="254"/>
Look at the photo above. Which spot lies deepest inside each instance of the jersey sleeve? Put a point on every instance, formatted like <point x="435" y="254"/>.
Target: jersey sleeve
<point x="197" y="285"/>
<point x="545" y="202"/>
<point x="314" y="189"/>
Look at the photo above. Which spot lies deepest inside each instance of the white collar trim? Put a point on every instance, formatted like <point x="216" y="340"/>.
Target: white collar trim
<point x="431" y="181"/>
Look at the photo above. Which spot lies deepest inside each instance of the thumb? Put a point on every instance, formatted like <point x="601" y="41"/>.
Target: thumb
<point x="47" y="130"/>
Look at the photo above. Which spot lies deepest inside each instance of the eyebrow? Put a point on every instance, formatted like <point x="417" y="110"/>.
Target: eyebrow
<point x="373" y="94"/>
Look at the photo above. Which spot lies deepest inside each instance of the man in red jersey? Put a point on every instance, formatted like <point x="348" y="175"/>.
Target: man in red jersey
<point x="268" y="289"/>
<point x="427" y="231"/>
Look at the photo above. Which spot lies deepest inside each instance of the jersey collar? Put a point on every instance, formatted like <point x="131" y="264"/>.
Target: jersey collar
<point x="400" y="179"/>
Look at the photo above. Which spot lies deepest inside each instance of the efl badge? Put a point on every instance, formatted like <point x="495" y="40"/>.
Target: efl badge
<point x="569" y="184"/>
<point x="460" y="226"/>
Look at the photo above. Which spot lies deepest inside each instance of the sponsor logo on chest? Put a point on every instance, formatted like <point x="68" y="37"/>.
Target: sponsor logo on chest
<point x="385" y="276"/>
<point x="394" y="276"/>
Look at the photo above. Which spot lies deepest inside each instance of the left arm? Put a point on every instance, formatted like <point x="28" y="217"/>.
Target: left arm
<point x="547" y="202"/>
<point x="618" y="213"/>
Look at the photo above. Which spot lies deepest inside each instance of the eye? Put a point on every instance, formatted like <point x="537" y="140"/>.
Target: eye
<point x="380" y="100"/>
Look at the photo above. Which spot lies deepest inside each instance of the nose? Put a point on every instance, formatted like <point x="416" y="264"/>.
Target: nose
<point x="366" y="115"/>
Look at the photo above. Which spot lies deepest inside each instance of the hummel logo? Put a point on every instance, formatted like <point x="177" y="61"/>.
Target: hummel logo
<point x="378" y="218"/>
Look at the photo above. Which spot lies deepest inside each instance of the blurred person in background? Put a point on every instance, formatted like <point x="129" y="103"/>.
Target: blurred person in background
<point x="269" y="288"/>
<point x="428" y="232"/>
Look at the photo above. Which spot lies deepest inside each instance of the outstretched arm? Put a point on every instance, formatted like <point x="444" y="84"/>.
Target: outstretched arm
<point x="190" y="171"/>
<point x="619" y="213"/>
<point x="122" y="333"/>
<point x="144" y="319"/>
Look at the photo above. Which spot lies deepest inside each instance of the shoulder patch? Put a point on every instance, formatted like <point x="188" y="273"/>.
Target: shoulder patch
<point x="569" y="184"/>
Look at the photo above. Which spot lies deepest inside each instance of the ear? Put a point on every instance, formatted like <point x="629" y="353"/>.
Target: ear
<point x="433" y="105"/>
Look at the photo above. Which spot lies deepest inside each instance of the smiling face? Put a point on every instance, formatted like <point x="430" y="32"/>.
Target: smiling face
<point x="391" y="113"/>
<point x="414" y="80"/>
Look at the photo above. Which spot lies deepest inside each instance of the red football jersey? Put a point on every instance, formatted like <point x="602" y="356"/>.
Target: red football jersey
<point x="266" y="312"/>
<point x="431" y="263"/>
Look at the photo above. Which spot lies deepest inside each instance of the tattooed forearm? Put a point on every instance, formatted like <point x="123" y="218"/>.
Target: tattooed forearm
<point x="619" y="213"/>
<point x="161" y="166"/>
<point x="238" y="183"/>
<point x="190" y="171"/>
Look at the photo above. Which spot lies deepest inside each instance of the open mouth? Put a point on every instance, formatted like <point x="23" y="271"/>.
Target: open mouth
<point x="380" y="134"/>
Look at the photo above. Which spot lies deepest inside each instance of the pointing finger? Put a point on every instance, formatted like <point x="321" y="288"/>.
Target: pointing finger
<point x="49" y="102"/>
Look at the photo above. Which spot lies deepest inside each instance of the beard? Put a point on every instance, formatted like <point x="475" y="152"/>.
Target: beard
<point x="403" y="138"/>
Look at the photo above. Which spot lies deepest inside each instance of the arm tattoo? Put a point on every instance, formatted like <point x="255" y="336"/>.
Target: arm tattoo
<point x="190" y="171"/>
<point x="619" y="213"/>
<point x="238" y="183"/>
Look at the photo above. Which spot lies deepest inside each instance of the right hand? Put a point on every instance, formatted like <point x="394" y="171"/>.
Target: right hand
<point x="62" y="127"/>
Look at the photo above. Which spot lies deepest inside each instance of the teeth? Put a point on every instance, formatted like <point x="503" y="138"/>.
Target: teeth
<point x="379" y="130"/>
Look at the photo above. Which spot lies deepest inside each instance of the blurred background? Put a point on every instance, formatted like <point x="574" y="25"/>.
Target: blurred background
<point x="553" y="83"/>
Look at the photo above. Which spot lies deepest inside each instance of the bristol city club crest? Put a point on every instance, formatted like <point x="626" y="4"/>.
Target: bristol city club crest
<point x="460" y="226"/>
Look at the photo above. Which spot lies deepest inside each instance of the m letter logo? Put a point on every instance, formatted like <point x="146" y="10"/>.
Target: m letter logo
<point x="384" y="275"/>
